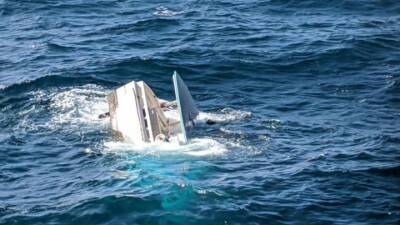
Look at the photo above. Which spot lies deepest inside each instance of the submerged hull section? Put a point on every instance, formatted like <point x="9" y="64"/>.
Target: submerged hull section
<point x="136" y="115"/>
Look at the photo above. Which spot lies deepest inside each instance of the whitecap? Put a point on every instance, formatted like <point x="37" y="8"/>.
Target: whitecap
<point x="164" y="11"/>
<point x="228" y="131"/>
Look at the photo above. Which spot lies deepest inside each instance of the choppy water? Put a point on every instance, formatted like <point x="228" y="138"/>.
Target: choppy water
<point x="306" y="93"/>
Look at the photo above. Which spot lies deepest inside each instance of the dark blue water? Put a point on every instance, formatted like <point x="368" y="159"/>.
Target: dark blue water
<point x="306" y="93"/>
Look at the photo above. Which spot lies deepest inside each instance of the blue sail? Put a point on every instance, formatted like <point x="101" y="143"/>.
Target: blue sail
<point x="186" y="106"/>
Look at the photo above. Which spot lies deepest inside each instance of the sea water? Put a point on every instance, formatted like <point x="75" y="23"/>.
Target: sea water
<point x="306" y="96"/>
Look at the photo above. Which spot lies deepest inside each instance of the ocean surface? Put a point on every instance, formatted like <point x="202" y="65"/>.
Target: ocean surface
<point x="306" y="95"/>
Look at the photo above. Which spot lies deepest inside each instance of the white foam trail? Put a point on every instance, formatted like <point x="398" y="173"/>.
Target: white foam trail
<point x="80" y="105"/>
<point x="196" y="147"/>
<point x="225" y="115"/>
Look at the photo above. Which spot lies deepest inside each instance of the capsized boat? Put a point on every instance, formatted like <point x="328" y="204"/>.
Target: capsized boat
<point x="138" y="116"/>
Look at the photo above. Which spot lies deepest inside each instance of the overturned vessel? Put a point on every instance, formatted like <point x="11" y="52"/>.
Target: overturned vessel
<point x="138" y="116"/>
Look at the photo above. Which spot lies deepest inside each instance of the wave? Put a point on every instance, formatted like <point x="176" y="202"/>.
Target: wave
<point x="322" y="165"/>
<point x="59" y="47"/>
<point x="52" y="81"/>
<point x="336" y="6"/>
<point x="393" y="171"/>
<point x="155" y="24"/>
